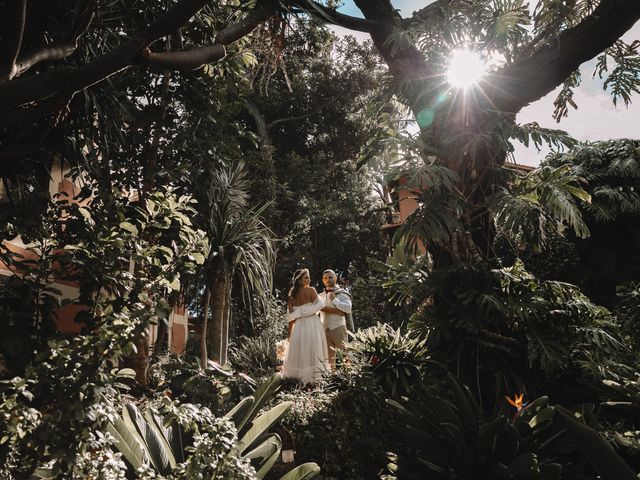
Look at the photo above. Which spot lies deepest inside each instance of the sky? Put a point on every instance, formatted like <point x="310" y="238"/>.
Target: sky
<point x="596" y="118"/>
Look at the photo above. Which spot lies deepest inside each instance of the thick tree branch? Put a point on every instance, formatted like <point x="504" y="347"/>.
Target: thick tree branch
<point x="132" y="53"/>
<point x="12" y="36"/>
<point x="529" y="78"/>
<point x="59" y="49"/>
<point x="197" y="57"/>
<point x="406" y="63"/>
<point x="185" y="60"/>
<point x="330" y="15"/>
<point x="32" y="89"/>
<point x="262" y="11"/>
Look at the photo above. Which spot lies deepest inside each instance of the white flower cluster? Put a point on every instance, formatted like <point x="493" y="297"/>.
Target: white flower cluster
<point x="282" y="348"/>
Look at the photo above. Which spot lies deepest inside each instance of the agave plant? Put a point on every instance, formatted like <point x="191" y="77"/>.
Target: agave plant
<point x="146" y="441"/>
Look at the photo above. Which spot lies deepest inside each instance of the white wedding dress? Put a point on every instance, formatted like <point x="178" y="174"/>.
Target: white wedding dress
<point x="308" y="356"/>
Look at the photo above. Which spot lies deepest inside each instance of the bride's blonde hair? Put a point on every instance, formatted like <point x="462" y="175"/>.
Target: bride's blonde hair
<point x="295" y="281"/>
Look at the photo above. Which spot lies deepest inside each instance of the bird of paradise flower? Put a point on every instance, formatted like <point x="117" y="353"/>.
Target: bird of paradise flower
<point x="516" y="401"/>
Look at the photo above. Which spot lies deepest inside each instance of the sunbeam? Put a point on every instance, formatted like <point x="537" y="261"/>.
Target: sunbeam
<point x="466" y="67"/>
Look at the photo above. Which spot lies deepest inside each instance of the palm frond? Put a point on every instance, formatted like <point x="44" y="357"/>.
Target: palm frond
<point x="238" y="237"/>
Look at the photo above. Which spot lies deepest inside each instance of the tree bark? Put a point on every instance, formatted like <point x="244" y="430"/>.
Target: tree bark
<point x="161" y="343"/>
<point x="406" y="63"/>
<point x="226" y="321"/>
<point x="58" y="49"/>
<point x="215" y="328"/>
<point x="204" y="358"/>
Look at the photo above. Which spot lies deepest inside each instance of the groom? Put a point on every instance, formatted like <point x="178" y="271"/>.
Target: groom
<point x="336" y="315"/>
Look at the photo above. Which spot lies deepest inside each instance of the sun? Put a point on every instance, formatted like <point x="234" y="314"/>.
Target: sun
<point x="466" y="67"/>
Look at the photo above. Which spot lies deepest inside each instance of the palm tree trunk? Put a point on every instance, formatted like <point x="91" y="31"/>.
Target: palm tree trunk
<point x="225" y="328"/>
<point x="203" y="333"/>
<point x="214" y="333"/>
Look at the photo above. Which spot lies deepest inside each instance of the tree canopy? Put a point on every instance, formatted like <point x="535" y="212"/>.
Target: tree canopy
<point x="467" y="132"/>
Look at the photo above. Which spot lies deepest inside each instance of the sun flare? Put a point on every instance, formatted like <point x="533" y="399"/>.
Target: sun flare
<point x="466" y="67"/>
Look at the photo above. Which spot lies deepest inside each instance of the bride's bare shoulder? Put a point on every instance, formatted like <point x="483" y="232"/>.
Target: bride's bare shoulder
<point x="310" y="294"/>
<point x="305" y="295"/>
<point x="313" y="294"/>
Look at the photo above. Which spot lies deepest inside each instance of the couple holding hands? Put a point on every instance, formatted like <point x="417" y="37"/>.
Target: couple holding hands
<point x="317" y="326"/>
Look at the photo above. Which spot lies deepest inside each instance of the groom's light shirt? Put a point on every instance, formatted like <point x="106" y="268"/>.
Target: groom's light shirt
<point x="342" y="302"/>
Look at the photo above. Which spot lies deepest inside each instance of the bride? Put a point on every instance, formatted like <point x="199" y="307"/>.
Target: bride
<point x="308" y="356"/>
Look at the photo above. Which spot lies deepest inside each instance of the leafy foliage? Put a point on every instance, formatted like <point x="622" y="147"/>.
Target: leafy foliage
<point x="623" y="78"/>
<point x="256" y="355"/>
<point x="628" y="312"/>
<point x="236" y="232"/>
<point x="451" y="438"/>
<point x="183" y="379"/>
<point x="315" y="120"/>
<point x="344" y="428"/>
<point x="507" y="317"/>
<point x="405" y="276"/>
<point x="187" y="440"/>
<point x="611" y="174"/>
<point x="58" y="392"/>
<point x="394" y="357"/>
<point x="545" y="200"/>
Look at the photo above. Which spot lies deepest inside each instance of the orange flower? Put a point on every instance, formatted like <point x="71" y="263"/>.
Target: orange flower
<point x="517" y="401"/>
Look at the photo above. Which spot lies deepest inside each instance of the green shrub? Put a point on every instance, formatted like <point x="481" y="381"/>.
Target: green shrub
<point x="344" y="427"/>
<point x="182" y="378"/>
<point x="255" y="356"/>
<point x="506" y="326"/>
<point x="628" y="312"/>
<point x="394" y="358"/>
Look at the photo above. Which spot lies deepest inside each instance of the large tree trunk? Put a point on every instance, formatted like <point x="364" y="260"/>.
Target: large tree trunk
<point x="215" y="328"/>
<point x="204" y="358"/>
<point x="226" y="319"/>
